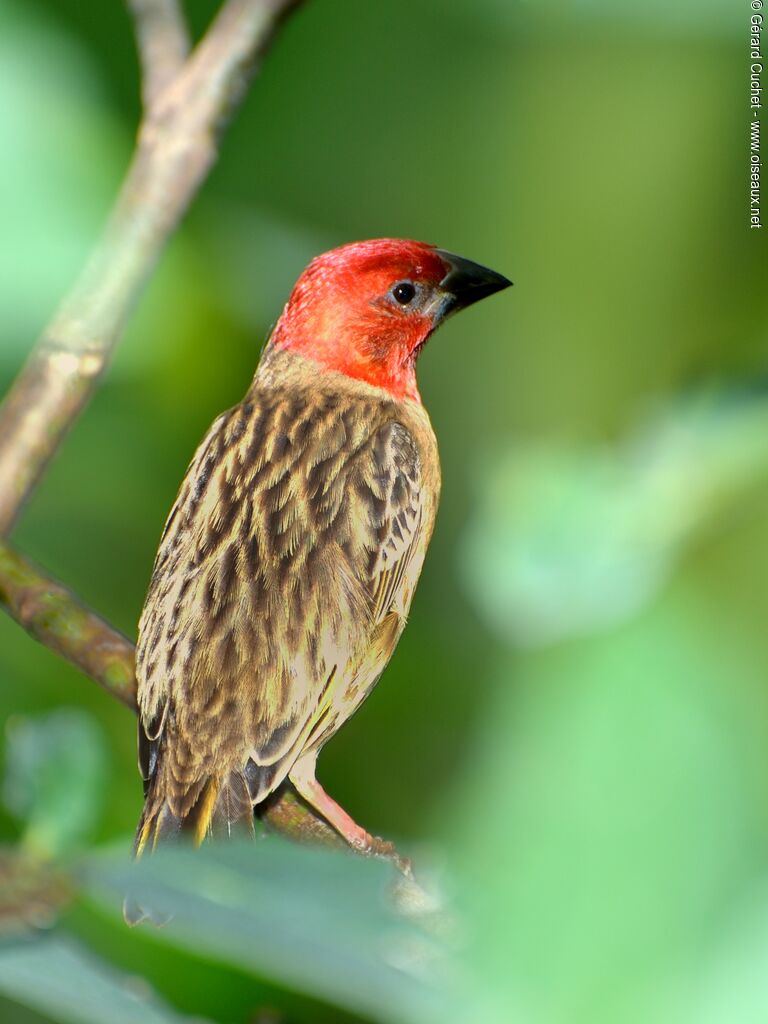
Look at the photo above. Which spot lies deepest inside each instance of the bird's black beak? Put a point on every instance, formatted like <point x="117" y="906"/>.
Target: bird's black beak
<point x="466" y="282"/>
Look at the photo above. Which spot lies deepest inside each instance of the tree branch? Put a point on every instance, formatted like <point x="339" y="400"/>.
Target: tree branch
<point x="163" y="44"/>
<point x="51" y="614"/>
<point x="175" y="151"/>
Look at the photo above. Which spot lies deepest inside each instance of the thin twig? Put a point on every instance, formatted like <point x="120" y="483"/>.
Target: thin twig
<point x="176" y="149"/>
<point x="51" y="614"/>
<point x="163" y="43"/>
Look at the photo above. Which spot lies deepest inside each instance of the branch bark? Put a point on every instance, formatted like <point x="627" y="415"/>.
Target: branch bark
<point x="163" y="43"/>
<point x="51" y="614"/>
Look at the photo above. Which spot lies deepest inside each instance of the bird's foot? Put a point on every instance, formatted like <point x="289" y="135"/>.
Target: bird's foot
<point x="362" y="842"/>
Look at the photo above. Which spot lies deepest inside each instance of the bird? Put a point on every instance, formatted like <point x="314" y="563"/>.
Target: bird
<point x="287" y="565"/>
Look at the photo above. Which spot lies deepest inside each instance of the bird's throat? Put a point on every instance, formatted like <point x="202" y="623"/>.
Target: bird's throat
<point x="368" y="358"/>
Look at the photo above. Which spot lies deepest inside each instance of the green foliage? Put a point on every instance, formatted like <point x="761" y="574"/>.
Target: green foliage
<point x="321" y="922"/>
<point x="55" y="780"/>
<point x="71" y="986"/>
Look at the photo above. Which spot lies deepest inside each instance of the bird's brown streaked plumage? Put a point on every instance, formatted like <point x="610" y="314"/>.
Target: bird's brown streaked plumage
<point x="288" y="562"/>
<point x="283" y="578"/>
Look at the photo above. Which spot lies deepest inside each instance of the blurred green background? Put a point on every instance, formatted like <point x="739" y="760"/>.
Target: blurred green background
<point x="573" y="735"/>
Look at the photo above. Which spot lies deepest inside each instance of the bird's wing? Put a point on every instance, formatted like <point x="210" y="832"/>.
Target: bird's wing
<point x="393" y="509"/>
<point x="393" y="496"/>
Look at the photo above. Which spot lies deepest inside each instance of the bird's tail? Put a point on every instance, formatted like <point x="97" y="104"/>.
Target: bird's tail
<point x="222" y="807"/>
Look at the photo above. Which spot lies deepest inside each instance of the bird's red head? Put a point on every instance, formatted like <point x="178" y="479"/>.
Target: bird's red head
<point x="366" y="309"/>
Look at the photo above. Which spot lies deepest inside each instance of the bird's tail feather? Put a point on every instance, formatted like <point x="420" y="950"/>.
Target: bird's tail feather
<point x="158" y="823"/>
<point x="232" y="810"/>
<point x="223" y="807"/>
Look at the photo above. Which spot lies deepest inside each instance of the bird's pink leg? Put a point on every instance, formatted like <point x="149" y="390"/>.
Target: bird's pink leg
<point x="302" y="776"/>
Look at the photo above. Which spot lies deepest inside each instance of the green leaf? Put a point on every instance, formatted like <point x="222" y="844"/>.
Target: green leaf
<point x="317" y="921"/>
<point x="55" y="779"/>
<point x="58" y="978"/>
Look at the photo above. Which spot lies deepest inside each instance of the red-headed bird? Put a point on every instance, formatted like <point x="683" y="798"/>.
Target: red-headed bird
<point x="289" y="559"/>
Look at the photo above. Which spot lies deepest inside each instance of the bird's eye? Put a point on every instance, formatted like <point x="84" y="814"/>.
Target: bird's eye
<point x="404" y="292"/>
